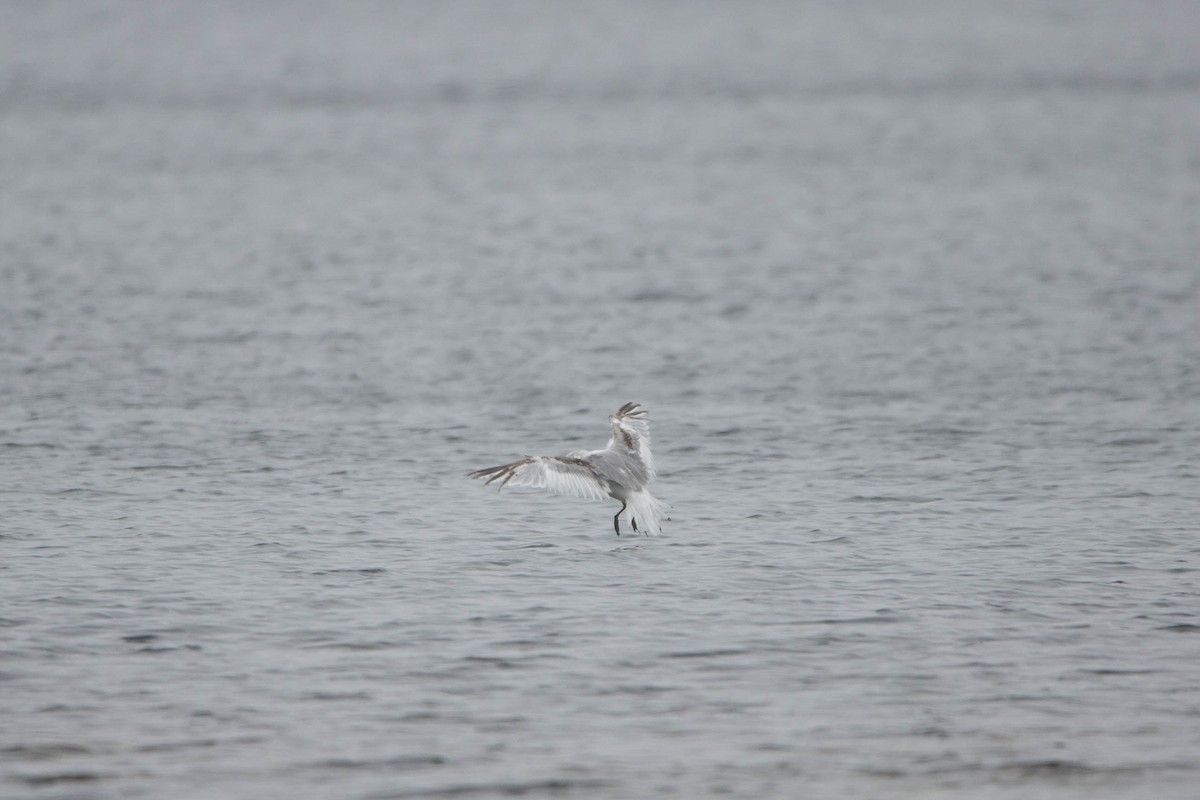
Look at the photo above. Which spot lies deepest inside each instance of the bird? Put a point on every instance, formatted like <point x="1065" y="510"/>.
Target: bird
<point x="622" y="471"/>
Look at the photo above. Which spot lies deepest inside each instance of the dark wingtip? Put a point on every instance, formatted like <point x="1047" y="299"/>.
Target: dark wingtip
<point x="483" y="473"/>
<point x="506" y="471"/>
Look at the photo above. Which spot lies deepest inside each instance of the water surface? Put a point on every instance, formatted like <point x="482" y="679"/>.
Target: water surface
<point x="910" y="291"/>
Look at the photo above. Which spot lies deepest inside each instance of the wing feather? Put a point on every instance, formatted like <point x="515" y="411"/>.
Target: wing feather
<point x="631" y="434"/>
<point x="558" y="474"/>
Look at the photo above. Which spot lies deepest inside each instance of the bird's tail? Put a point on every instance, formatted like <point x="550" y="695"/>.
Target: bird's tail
<point x="645" y="512"/>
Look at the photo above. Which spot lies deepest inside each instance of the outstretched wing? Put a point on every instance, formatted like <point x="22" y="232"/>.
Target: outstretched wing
<point x="631" y="434"/>
<point x="559" y="474"/>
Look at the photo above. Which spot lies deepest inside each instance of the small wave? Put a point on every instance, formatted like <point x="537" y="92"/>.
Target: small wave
<point x="351" y="571"/>
<point x="139" y="638"/>
<point x="145" y="467"/>
<point x="61" y="777"/>
<point x="1047" y="768"/>
<point x="42" y="752"/>
<point x="398" y="762"/>
<point x="882" y="618"/>
<point x="708" y="653"/>
<point x="884" y="498"/>
<point x="500" y="789"/>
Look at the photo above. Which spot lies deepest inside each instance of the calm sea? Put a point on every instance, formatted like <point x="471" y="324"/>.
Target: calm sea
<point x="911" y="290"/>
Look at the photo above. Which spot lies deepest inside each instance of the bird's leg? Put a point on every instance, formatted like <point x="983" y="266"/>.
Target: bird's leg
<point x="633" y="522"/>
<point x="617" y="518"/>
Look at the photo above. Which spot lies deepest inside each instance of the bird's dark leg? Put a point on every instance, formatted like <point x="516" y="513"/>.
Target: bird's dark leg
<point x="633" y="522"/>
<point x="616" y="519"/>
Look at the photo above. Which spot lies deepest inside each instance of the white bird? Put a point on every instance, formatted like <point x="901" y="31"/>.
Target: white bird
<point x="621" y="471"/>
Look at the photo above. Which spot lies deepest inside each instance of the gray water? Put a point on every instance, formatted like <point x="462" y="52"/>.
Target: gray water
<point x="912" y="292"/>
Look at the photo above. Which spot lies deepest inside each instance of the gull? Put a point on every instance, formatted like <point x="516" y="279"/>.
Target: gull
<point x="620" y="471"/>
